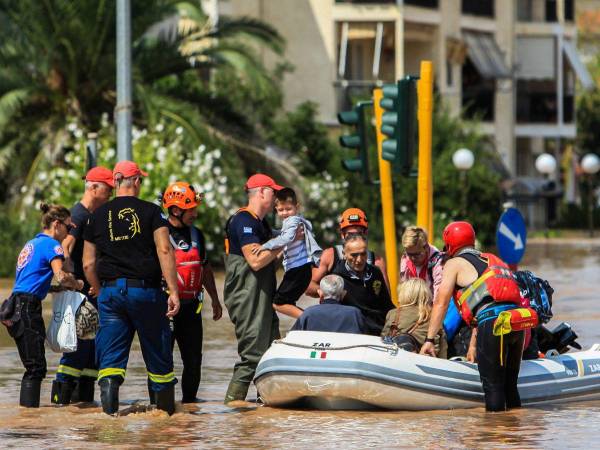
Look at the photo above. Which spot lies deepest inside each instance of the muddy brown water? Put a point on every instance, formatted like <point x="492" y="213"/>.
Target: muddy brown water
<point x="573" y="267"/>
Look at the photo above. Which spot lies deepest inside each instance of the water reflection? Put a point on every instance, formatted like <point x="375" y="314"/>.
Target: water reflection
<point x="572" y="269"/>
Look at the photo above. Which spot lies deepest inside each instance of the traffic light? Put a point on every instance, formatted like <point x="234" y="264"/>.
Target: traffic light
<point x="357" y="140"/>
<point x="399" y="123"/>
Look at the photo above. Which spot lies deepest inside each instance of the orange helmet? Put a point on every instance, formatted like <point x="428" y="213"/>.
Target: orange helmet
<point x="181" y="194"/>
<point x="353" y="217"/>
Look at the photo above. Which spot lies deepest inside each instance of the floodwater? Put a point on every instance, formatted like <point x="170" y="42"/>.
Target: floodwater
<point x="573" y="268"/>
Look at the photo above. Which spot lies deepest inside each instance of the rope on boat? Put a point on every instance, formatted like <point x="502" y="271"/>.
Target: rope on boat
<point x="385" y="348"/>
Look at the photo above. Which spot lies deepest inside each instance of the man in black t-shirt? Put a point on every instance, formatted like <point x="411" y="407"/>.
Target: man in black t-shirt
<point x="250" y="282"/>
<point x="194" y="273"/>
<point x="364" y="284"/>
<point x="126" y="249"/>
<point x="77" y="371"/>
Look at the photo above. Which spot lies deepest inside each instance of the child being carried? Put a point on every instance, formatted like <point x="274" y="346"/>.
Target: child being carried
<point x="299" y="256"/>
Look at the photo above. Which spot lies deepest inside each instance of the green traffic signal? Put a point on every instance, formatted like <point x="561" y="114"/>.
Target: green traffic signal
<point x="355" y="141"/>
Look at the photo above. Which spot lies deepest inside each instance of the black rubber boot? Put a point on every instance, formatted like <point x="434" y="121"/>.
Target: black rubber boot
<point x="30" y="393"/>
<point x="85" y="390"/>
<point x="165" y="399"/>
<point x="75" y="393"/>
<point x="151" y="394"/>
<point x="109" y="395"/>
<point x="61" y="392"/>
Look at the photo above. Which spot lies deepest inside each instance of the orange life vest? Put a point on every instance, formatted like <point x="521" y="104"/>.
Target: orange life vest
<point x="496" y="283"/>
<point x="190" y="267"/>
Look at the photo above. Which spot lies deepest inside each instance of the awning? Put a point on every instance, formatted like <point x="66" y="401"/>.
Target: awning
<point x="536" y="57"/>
<point x="486" y="55"/>
<point x="578" y="67"/>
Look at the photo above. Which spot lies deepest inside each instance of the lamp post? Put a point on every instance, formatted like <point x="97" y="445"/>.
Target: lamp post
<point x="546" y="165"/>
<point x="463" y="160"/>
<point x="590" y="164"/>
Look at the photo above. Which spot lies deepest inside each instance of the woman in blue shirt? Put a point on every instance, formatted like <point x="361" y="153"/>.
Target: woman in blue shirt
<point x="40" y="260"/>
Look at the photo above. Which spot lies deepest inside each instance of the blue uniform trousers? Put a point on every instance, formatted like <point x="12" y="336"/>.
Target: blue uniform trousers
<point x="124" y="310"/>
<point x="81" y="362"/>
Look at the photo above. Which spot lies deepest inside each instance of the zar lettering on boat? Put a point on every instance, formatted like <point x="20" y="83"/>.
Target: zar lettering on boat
<point x="347" y="371"/>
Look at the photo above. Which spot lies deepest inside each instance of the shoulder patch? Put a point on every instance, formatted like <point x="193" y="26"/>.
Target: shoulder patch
<point x="25" y="256"/>
<point x="58" y="250"/>
<point x="247" y="230"/>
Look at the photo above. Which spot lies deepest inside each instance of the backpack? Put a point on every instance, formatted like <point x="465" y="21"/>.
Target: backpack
<point x="538" y="291"/>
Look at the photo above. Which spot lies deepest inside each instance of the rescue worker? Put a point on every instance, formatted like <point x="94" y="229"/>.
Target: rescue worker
<point x="364" y="284"/>
<point x="482" y="287"/>
<point x="250" y="282"/>
<point x="194" y="273"/>
<point x="420" y="259"/>
<point x="77" y="371"/>
<point x="126" y="248"/>
<point x="39" y="260"/>
<point x="352" y="221"/>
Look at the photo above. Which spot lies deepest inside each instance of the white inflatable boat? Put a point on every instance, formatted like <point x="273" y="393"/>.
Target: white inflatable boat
<point x="349" y="371"/>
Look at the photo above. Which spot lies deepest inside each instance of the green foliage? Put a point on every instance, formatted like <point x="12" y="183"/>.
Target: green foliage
<point x="14" y="234"/>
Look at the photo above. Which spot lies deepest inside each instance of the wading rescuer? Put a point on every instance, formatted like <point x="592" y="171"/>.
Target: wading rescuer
<point x="40" y="259"/>
<point x="194" y="273"/>
<point x="250" y="282"/>
<point x="352" y="221"/>
<point x="126" y="248"/>
<point x="77" y="371"/>
<point x="483" y="288"/>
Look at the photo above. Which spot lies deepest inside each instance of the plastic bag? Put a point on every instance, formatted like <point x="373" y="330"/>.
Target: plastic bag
<point x="62" y="333"/>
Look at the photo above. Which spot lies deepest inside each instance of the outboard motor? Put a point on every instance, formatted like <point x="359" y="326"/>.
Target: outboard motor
<point x="560" y="339"/>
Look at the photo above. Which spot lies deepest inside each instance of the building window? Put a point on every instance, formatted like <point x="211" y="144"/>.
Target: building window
<point x="478" y="94"/>
<point x="422" y="3"/>
<point x="484" y="8"/>
<point x="449" y="77"/>
<point x="551" y="10"/>
<point x="525" y="11"/>
<point x="366" y="1"/>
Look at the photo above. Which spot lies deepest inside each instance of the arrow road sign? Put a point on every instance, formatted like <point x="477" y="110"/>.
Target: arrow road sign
<point x="511" y="236"/>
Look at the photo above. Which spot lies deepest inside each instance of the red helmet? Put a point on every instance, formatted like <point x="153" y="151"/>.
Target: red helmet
<point x="458" y="235"/>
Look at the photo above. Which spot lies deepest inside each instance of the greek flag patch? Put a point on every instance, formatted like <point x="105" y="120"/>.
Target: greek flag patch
<point x="247" y="230"/>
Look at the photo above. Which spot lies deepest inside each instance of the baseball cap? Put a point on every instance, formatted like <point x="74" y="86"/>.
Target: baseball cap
<point x="261" y="180"/>
<point x="128" y="169"/>
<point x="100" y="174"/>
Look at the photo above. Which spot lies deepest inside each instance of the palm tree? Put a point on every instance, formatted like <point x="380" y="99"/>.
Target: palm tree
<point x="57" y="63"/>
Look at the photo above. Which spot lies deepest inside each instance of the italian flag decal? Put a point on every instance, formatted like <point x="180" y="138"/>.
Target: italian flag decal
<point x="315" y="354"/>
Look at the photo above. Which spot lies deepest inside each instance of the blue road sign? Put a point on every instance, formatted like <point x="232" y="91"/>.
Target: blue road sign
<point x="511" y="236"/>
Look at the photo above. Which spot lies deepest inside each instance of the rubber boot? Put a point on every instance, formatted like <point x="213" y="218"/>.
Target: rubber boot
<point x="61" y="392"/>
<point x="85" y="390"/>
<point x="109" y="395"/>
<point x="30" y="393"/>
<point x="165" y="399"/>
<point x="236" y="391"/>
<point x="75" y="393"/>
<point x="151" y="393"/>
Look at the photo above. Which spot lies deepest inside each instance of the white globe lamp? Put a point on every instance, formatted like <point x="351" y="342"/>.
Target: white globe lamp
<point x="545" y="163"/>
<point x="590" y="163"/>
<point x="463" y="159"/>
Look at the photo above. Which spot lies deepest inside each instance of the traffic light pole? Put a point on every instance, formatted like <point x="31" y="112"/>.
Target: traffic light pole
<point x="425" y="179"/>
<point x="387" y="201"/>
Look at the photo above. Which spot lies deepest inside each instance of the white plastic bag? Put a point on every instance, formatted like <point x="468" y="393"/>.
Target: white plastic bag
<point x="61" y="333"/>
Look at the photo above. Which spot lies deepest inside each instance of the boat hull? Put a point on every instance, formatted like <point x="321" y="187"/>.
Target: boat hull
<point x="344" y="371"/>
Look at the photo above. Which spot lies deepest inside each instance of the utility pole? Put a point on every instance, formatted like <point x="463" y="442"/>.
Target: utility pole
<point x="123" y="111"/>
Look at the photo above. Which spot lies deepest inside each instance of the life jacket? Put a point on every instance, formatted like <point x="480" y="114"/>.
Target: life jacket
<point x="246" y="209"/>
<point x="190" y="266"/>
<point x="496" y="283"/>
<point x="339" y="255"/>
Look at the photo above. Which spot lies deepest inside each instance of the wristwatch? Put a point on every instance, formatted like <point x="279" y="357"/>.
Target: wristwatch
<point x="428" y="339"/>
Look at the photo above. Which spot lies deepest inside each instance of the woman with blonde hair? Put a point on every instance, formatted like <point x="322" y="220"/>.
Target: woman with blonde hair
<point x="420" y="259"/>
<point x="407" y="325"/>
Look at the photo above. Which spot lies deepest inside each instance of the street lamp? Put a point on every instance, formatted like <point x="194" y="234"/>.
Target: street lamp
<point x="546" y="165"/>
<point x="463" y="160"/>
<point x="590" y="164"/>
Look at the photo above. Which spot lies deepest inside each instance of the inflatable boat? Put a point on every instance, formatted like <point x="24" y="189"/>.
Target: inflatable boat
<point x="348" y="371"/>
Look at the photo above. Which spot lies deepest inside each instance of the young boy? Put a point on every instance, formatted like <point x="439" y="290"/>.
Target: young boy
<point x="299" y="256"/>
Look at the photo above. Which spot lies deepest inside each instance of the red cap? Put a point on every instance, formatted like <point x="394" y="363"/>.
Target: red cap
<point x="261" y="180"/>
<point x="101" y="175"/>
<point x="128" y="169"/>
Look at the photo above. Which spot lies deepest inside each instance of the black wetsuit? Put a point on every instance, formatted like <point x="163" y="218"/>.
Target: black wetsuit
<point x="498" y="374"/>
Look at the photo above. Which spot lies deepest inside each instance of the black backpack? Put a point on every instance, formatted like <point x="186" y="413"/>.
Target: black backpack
<point x="538" y="291"/>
